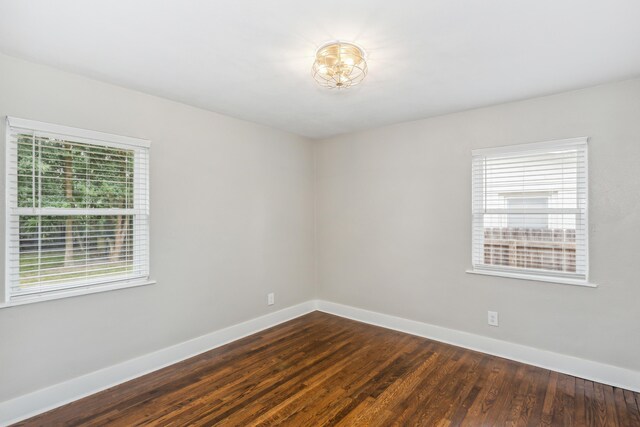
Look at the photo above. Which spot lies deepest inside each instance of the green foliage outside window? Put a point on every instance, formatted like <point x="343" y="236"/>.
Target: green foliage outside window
<point x="69" y="175"/>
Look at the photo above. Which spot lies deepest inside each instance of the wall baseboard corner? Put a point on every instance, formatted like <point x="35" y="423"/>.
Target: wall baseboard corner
<point x="571" y="365"/>
<point x="39" y="401"/>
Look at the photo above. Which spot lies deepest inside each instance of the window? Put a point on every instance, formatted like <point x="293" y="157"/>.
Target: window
<point x="530" y="211"/>
<point x="532" y="220"/>
<point x="77" y="211"/>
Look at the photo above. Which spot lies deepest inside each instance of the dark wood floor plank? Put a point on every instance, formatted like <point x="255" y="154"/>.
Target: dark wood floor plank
<point x="436" y="405"/>
<point x="564" y="404"/>
<point x="500" y="392"/>
<point x="604" y="417"/>
<point x="458" y="386"/>
<point x="621" y="408"/>
<point x="474" y="412"/>
<point x="531" y="410"/>
<point x="515" y="401"/>
<point x="356" y="414"/>
<point x="633" y="409"/>
<point x="398" y="392"/>
<point x="612" y="412"/>
<point x="461" y="412"/>
<point x="549" y="399"/>
<point x="591" y="403"/>
<point x="580" y="408"/>
<point x="407" y="411"/>
<point x="321" y="369"/>
<point x="260" y="364"/>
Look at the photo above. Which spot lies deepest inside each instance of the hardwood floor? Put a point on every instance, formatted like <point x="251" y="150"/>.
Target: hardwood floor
<point x="321" y="369"/>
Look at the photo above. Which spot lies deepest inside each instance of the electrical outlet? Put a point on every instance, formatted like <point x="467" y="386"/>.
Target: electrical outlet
<point x="492" y="318"/>
<point x="271" y="298"/>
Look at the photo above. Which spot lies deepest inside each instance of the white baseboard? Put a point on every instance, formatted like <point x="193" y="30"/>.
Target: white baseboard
<point x="39" y="401"/>
<point x="43" y="400"/>
<point x="582" y="368"/>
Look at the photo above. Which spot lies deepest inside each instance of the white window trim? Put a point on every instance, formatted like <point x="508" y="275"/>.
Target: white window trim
<point x="79" y="135"/>
<point x="530" y="147"/>
<point x="68" y="293"/>
<point x="534" y="275"/>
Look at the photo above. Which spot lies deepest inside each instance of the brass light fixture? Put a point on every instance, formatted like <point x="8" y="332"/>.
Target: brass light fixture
<point x="339" y="65"/>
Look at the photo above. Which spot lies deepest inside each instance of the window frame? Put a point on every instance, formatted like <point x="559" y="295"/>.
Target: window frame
<point x="533" y="274"/>
<point x="81" y="136"/>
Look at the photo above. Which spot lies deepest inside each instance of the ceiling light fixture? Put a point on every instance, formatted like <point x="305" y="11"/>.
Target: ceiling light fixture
<point x="339" y="65"/>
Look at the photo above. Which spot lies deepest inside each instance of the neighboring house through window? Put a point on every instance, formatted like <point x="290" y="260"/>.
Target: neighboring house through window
<point x="527" y="203"/>
<point x="530" y="211"/>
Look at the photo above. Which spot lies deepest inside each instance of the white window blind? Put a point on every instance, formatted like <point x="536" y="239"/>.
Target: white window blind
<point x="77" y="210"/>
<point x="530" y="209"/>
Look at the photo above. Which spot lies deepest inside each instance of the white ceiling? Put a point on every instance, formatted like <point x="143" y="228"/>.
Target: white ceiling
<point x="251" y="58"/>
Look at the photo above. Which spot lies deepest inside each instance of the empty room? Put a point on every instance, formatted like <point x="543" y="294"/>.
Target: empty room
<point x="360" y="213"/>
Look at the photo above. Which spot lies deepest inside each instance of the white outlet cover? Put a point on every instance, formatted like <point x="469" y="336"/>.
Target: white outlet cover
<point x="271" y="299"/>
<point x="492" y="318"/>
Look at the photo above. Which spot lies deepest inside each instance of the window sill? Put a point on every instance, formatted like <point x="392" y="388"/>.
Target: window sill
<point x="75" y="292"/>
<point x="536" y="278"/>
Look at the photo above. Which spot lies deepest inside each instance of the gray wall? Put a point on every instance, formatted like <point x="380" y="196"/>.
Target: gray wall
<point x="231" y="219"/>
<point x="394" y="218"/>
